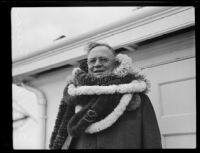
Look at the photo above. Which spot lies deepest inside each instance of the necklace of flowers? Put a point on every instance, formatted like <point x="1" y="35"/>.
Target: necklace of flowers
<point x="127" y="89"/>
<point x="134" y="86"/>
<point x="112" y="117"/>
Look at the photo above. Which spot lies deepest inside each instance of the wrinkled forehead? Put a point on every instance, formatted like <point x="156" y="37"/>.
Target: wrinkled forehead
<point x="100" y="51"/>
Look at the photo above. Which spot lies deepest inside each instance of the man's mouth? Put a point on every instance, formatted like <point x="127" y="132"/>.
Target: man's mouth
<point x="98" y="71"/>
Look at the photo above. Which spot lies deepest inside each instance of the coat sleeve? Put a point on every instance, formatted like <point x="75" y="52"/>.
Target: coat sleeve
<point x="151" y="137"/>
<point x="59" y="118"/>
<point x="64" y="113"/>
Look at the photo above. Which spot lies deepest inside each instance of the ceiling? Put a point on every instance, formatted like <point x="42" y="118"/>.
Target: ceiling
<point x="36" y="27"/>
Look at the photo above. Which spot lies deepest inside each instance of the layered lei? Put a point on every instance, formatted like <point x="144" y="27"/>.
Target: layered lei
<point x="124" y="82"/>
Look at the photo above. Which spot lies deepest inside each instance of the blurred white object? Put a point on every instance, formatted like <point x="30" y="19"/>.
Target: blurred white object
<point x="26" y="119"/>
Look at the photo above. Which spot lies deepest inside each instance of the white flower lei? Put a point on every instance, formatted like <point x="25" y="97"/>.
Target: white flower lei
<point x="134" y="86"/>
<point x="125" y="67"/>
<point x="112" y="117"/>
<point x="128" y="89"/>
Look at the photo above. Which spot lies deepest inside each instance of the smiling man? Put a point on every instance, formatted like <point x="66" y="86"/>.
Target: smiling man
<point x="101" y="59"/>
<point x="105" y="106"/>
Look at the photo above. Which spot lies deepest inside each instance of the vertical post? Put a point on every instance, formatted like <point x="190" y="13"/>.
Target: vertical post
<point x="42" y="112"/>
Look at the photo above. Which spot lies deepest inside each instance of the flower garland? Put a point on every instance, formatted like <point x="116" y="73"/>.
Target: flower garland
<point x="134" y="86"/>
<point x="84" y="79"/>
<point x="112" y="117"/>
<point x="125" y="79"/>
<point x="125" y="68"/>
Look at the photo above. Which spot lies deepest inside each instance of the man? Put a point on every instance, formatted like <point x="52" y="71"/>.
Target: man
<point x="105" y="106"/>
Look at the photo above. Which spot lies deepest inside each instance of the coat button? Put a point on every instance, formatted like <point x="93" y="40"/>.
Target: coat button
<point x="91" y="113"/>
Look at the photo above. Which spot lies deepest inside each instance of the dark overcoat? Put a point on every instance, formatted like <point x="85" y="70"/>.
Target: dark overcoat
<point x="135" y="129"/>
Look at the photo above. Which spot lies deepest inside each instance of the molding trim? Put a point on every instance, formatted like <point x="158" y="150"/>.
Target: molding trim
<point x="140" y="27"/>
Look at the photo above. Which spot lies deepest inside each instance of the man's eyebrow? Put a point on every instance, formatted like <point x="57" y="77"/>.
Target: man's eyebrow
<point x="103" y="57"/>
<point x="99" y="57"/>
<point x="92" y="58"/>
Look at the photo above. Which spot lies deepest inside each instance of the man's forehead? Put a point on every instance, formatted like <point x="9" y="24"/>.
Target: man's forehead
<point x="100" y="51"/>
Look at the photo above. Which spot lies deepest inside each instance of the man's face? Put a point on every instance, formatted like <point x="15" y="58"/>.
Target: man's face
<point x="100" y="61"/>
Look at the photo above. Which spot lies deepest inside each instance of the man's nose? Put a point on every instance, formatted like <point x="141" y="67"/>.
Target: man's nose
<point x="97" y="63"/>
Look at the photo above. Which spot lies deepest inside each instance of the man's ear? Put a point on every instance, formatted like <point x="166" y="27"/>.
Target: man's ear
<point x="83" y="65"/>
<point x="116" y="63"/>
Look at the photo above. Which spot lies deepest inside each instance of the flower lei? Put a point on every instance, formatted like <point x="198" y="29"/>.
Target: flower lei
<point x="133" y="87"/>
<point x="111" y="118"/>
<point x="87" y="87"/>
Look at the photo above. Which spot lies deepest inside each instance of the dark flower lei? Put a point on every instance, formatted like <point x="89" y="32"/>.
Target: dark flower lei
<point x="82" y="78"/>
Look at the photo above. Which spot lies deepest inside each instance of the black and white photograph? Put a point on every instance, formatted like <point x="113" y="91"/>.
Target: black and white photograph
<point x="103" y="77"/>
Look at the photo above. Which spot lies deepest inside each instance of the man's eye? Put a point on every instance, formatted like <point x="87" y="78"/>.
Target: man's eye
<point x="92" y="61"/>
<point x="104" y="59"/>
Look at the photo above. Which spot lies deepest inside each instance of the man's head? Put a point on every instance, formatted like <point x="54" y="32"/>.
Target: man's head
<point x="100" y="59"/>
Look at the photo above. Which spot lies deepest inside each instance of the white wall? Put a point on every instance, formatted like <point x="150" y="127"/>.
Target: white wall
<point x="170" y="67"/>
